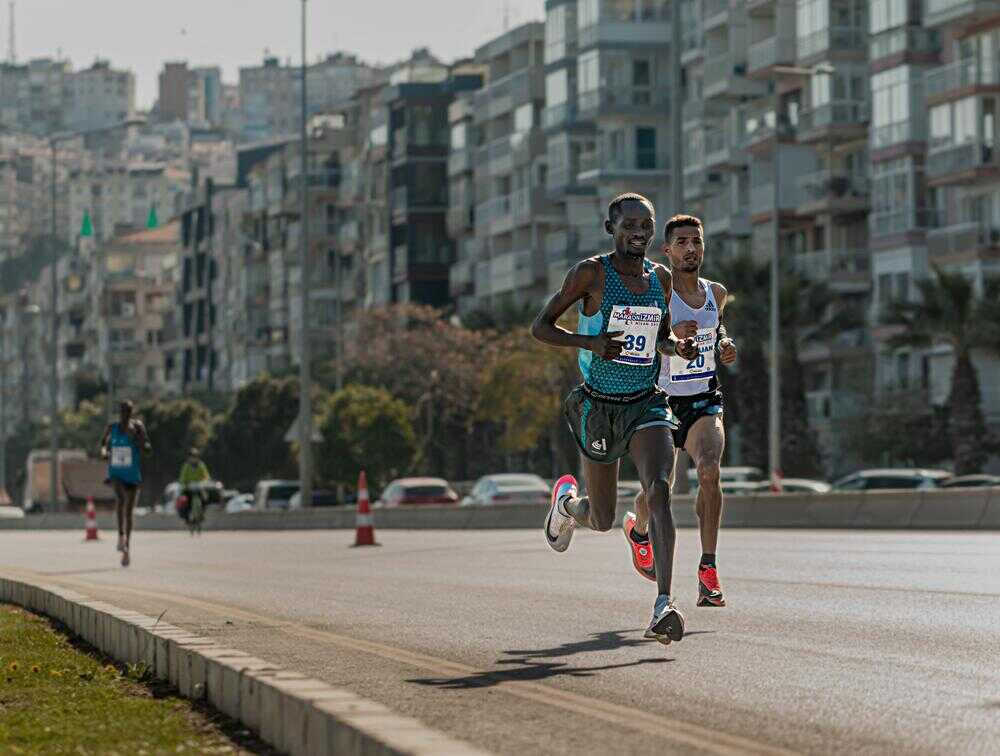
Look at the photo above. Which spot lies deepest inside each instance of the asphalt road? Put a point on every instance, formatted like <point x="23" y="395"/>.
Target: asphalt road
<point x="833" y="642"/>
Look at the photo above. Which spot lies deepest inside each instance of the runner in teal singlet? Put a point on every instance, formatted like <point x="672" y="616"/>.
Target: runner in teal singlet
<point x="619" y="409"/>
<point x="122" y="445"/>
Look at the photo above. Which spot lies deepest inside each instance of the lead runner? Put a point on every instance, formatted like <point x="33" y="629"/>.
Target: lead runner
<point x="619" y="409"/>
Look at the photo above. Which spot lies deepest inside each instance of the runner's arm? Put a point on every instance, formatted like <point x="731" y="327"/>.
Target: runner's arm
<point x="667" y="343"/>
<point x="104" y="442"/>
<point x="143" y="437"/>
<point x="580" y="281"/>
<point x="725" y="346"/>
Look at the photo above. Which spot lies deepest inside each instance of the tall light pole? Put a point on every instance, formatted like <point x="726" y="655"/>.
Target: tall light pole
<point x="305" y="363"/>
<point x="54" y="141"/>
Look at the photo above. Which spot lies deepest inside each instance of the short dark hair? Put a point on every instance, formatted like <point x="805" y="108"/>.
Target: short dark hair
<point x="126" y="404"/>
<point x="679" y="221"/>
<point x="615" y="206"/>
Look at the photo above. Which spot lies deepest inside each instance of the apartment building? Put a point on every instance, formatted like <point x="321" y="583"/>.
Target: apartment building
<point x="99" y="97"/>
<point x="606" y="117"/>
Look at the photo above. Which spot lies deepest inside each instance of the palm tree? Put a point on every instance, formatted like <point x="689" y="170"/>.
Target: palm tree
<point x="747" y="317"/>
<point x="949" y="312"/>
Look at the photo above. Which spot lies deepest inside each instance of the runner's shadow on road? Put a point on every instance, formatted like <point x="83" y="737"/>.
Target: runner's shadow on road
<point x="530" y="672"/>
<point x="610" y="640"/>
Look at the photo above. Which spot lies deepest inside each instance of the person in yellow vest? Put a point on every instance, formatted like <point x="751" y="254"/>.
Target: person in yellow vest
<point x="193" y="472"/>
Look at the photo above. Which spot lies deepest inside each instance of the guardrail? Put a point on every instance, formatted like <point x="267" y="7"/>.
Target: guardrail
<point x="957" y="509"/>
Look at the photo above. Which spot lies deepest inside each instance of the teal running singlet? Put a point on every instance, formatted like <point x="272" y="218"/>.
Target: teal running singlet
<point x="638" y="316"/>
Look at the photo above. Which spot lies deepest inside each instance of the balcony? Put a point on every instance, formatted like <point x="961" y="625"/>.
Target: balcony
<point x="617" y="33"/>
<point x="774" y="51"/>
<point x="833" y="192"/>
<point x="881" y="137"/>
<point x="907" y="220"/>
<point x="837" y="121"/>
<point x="495" y="158"/>
<point x="460" y="219"/>
<point x="561" y="246"/>
<point x="961" y="163"/>
<point x="559" y="116"/>
<point x="834" y="39"/>
<point x="841" y="268"/>
<point x="494" y="216"/>
<point x="459" y="161"/>
<point x="608" y="101"/>
<point x="714" y="14"/>
<point x="594" y="166"/>
<point x="406" y="201"/>
<point x="961" y="78"/>
<point x="760" y="127"/>
<point x="964" y="12"/>
<point x="725" y="76"/>
<point x="721" y="151"/>
<point x="511" y="272"/>
<point x="723" y="216"/>
<point x="507" y="93"/>
<point x="963" y="240"/>
<point x="692" y="45"/>
<point x="906" y="39"/>
<point x="460" y="278"/>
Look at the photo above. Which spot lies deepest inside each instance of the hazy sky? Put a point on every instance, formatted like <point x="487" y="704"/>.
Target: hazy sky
<point x="141" y="34"/>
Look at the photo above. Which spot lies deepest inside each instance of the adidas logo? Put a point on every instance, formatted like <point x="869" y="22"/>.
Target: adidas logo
<point x="600" y="447"/>
<point x="710" y="307"/>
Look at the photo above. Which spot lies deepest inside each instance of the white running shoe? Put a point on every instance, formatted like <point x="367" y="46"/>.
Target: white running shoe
<point x="668" y="623"/>
<point x="558" y="521"/>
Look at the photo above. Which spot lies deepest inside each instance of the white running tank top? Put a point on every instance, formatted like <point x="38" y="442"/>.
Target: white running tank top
<point x="680" y="377"/>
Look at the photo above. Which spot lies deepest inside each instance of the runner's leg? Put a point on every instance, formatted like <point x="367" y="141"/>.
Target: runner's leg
<point x="119" y="489"/>
<point x="596" y="510"/>
<point x="652" y="450"/>
<point x="705" y="443"/>
<point x="642" y="510"/>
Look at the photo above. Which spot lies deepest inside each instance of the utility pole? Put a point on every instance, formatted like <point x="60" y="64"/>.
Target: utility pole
<point x="305" y="363"/>
<point x="54" y="346"/>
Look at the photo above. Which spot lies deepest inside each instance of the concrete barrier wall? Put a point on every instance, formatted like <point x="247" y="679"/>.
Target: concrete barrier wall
<point x="956" y="509"/>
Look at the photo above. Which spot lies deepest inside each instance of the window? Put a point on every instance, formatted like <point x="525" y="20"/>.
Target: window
<point x="524" y="118"/>
<point x="557" y="87"/>
<point x="557" y="21"/>
<point x="812" y="16"/>
<point x="458" y="136"/>
<point x="645" y="148"/>
<point x="642" y="75"/>
<point x="891" y="95"/>
<point x="887" y="14"/>
<point x="616" y="147"/>
<point x="588" y="72"/>
<point x="903" y="370"/>
<point x="588" y="13"/>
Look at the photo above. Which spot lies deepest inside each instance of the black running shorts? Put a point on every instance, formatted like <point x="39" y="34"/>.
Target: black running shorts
<point x="603" y="424"/>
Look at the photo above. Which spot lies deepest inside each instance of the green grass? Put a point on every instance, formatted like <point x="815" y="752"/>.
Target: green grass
<point x="58" y="699"/>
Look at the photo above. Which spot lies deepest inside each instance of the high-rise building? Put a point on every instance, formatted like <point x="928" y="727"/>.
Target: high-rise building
<point x="99" y="97"/>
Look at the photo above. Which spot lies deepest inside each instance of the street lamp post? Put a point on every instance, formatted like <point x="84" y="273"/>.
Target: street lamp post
<point x="54" y="141"/>
<point x="305" y="363"/>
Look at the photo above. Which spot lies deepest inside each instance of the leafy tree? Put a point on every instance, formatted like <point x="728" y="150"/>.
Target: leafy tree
<point x="174" y="426"/>
<point x="948" y="311"/>
<point x="248" y="443"/>
<point x="83" y="427"/>
<point x="364" y="428"/>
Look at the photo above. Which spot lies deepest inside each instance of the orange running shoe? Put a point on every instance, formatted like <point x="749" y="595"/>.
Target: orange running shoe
<point x="709" y="590"/>
<point x="642" y="553"/>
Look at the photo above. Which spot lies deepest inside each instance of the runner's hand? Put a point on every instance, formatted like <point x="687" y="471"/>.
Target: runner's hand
<point x="687" y="349"/>
<point x="605" y="345"/>
<point x="685" y="328"/>
<point x="727" y="351"/>
<point x="104" y="452"/>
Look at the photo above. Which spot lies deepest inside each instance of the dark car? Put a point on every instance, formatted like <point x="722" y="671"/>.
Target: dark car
<point x="417" y="491"/>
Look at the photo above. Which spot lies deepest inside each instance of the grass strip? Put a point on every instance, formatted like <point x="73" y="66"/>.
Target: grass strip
<point x="58" y="696"/>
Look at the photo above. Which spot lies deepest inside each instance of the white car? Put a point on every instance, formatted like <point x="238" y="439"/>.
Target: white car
<point x="275" y="494"/>
<point x="508" y="488"/>
<point x="11" y="513"/>
<point x="803" y="485"/>
<point x="887" y="479"/>
<point x="239" y="503"/>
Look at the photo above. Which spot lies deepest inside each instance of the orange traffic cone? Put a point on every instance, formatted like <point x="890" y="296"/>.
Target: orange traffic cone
<point x="91" y="521"/>
<point x="365" y="530"/>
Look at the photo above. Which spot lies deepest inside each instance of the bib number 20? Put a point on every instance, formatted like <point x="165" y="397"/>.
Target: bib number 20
<point x="699" y="362"/>
<point x="635" y="343"/>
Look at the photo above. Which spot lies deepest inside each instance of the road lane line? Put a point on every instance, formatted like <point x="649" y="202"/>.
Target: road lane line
<point x="676" y="731"/>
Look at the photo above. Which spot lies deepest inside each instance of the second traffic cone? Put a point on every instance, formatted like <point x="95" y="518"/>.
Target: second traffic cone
<point x="91" y="521"/>
<point x="365" y="524"/>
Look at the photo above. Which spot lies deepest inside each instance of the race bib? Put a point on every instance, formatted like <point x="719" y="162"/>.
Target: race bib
<point x="703" y="366"/>
<point x="639" y="327"/>
<point x="121" y="456"/>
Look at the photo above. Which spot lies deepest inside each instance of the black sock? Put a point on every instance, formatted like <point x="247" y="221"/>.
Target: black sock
<point x="640" y="538"/>
<point x="708" y="560"/>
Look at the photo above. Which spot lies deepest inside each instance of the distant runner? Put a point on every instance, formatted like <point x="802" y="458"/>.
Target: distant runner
<point x="696" y="307"/>
<point x="122" y="444"/>
<point x="619" y="409"/>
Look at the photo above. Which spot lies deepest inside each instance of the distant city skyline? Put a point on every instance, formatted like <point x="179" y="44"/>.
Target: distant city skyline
<point x="141" y="36"/>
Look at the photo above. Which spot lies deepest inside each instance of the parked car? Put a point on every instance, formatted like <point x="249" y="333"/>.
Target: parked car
<point x="801" y="485"/>
<point x="971" y="481"/>
<point x="274" y="494"/>
<point x="239" y="503"/>
<point x="884" y="479"/>
<point x="319" y="499"/>
<point x="508" y="488"/>
<point x="11" y="513"/>
<point x="417" y="491"/>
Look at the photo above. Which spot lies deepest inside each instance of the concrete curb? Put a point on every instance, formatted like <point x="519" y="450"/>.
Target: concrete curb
<point x="293" y="713"/>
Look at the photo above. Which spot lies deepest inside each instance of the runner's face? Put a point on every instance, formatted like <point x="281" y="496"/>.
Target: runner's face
<point x="686" y="250"/>
<point x="125" y="414"/>
<point x="634" y="228"/>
